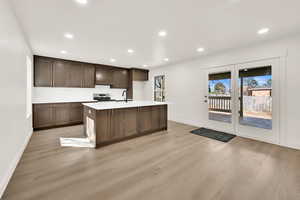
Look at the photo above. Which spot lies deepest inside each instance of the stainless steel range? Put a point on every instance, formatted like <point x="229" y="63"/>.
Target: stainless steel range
<point x="102" y="97"/>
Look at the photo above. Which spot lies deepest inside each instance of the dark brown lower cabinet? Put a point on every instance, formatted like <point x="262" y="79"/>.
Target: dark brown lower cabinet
<point x="43" y="115"/>
<point x="123" y="122"/>
<point x="152" y="118"/>
<point x="117" y="124"/>
<point x="76" y="113"/>
<point x="102" y="124"/>
<point x="145" y="119"/>
<point x="163" y="118"/>
<point x="57" y="114"/>
<point x="120" y="124"/>
<point x="62" y="114"/>
<point x="130" y="122"/>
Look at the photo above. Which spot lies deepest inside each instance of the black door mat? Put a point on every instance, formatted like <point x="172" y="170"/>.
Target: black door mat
<point x="217" y="135"/>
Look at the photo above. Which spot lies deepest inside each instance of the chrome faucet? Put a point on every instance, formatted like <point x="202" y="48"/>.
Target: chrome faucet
<point x="125" y="93"/>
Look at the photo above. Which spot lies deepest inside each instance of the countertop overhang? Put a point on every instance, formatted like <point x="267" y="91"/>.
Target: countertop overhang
<point x="118" y="105"/>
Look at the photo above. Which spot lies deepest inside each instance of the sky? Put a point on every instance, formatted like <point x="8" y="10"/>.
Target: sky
<point x="227" y="83"/>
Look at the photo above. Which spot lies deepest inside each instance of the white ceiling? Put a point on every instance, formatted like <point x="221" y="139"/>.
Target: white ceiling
<point x="105" y="29"/>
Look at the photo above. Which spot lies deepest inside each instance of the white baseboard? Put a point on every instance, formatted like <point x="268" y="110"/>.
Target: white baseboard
<point x="4" y="182"/>
<point x="292" y="146"/>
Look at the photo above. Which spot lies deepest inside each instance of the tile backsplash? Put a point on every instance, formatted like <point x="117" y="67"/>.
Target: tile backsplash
<point x="48" y="93"/>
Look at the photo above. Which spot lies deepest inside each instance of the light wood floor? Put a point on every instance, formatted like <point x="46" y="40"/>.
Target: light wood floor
<point x="170" y="165"/>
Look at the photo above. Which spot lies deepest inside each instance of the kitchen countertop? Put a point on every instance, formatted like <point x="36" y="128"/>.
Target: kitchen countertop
<point x="116" y="105"/>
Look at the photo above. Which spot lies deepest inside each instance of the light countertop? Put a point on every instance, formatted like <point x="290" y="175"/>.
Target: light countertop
<point x="116" y="105"/>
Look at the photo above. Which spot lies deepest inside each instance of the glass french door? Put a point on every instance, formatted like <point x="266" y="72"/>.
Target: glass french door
<point x="243" y="99"/>
<point x="219" y="99"/>
<point x="257" y="100"/>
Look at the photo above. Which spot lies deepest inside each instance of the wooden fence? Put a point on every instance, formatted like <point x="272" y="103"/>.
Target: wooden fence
<point x="257" y="103"/>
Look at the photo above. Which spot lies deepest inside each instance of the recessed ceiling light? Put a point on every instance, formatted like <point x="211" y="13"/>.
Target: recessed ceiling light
<point x="201" y="49"/>
<point x="162" y="33"/>
<point x="83" y="2"/>
<point x="263" y="31"/>
<point x="112" y="60"/>
<point x="145" y="65"/>
<point x="130" y="51"/>
<point x="166" y="59"/>
<point x="69" y="35"/>
<point x="63" y="52"/>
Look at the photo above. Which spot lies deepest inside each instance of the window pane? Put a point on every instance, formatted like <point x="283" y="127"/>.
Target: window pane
<point x="219" y="98"/>
<point x="256" y="97"/>
<point x="159" y="88"/>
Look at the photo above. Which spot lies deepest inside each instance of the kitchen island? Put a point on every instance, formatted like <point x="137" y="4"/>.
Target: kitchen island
<point x="110" y="122"/>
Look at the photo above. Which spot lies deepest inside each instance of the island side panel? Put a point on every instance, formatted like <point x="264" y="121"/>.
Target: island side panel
<point x="89" y="121"/>
<point x="103" y="126"/>
<point x="164" y="117"/>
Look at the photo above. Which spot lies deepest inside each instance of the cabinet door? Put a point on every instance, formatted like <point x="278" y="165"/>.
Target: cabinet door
<point x="139" y="75"/>
<point x="130" y="121"/>
<point x="155" y="117"/>
<point x="163" y="120"/>
<point x="89" y="76"/>
<point x="117" y="124"/>
<point x="103" y="75"/>
<point x="120" y="78"/>
<point x="43" y="115"/>
<point x="76" y="113"/>
<point x="145" y="119"/>
<point x="62" y="114"/>
<point x="43" y="72"/>
<point x="60" y="73"/>
<point x="103" y="120"/>
<point x="75" y="75"/>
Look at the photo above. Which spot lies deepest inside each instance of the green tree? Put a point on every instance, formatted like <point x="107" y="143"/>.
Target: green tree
<point x="252" y="83"/>
<point x="220" y="88"/>
<point x="269" y="83"/>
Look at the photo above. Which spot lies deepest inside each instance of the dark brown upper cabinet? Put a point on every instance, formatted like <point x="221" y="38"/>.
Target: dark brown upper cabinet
<point x="89" y="76"/>
<point x="60" y="73"/>
<point x="120" y="78"/>
<point x="75" y="74"/>
<point x="67" y="74"/>
<point x="43" y="72"/>
<point x="139" y="74"/>
<point x="52" y="72"/>
<point x="104" y="75"/>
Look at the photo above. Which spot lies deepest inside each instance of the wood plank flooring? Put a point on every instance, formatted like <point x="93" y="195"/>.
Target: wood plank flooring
<point x="169" y="165"/>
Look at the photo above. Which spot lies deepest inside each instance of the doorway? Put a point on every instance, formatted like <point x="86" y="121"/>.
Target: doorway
<point x="243" y="99"/>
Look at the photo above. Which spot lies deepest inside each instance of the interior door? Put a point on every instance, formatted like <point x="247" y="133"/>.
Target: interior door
<point x="219" y="99"/>
<point x="257" y="99"/>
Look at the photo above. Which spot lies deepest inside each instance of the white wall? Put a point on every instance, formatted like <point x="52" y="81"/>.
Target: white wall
<point x="48" y="94"/>
<point x="16" y="127"/>
<point x="185" y="84"/>
<point x="139" y="90"/>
